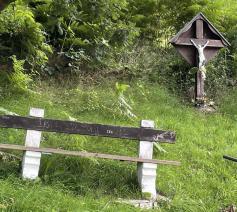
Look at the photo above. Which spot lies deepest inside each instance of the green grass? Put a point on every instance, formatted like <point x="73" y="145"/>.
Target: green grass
<point x="204" y="181"/>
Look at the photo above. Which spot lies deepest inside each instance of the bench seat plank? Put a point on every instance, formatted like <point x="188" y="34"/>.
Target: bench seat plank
<point x="88" y="154"/>
<point x="71" y="127"/>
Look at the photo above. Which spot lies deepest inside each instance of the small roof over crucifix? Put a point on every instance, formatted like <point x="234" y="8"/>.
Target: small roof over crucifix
<point x="200" y="30"/>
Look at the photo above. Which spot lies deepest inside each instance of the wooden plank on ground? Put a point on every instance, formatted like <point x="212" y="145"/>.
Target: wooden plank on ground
<point x="88" y="154"/>
<point x="70" y="127"/>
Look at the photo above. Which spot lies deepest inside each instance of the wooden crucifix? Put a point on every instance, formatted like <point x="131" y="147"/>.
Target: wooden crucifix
<point x="198" y="42"/>
<point x="200" y="61"/>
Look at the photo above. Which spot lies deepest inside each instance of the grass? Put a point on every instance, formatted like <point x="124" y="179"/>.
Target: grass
<point x="204" y="182"/>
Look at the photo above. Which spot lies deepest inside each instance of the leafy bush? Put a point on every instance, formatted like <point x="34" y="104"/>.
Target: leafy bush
<point x="96" y="28"/>
<point x="125" y="39"/>
<point x="22" y="36"/>
<point x="14" y="79"/>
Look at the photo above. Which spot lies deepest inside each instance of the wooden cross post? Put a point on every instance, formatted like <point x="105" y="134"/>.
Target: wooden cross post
<point x="198" y="42"/>
<point x="199" y="87"/>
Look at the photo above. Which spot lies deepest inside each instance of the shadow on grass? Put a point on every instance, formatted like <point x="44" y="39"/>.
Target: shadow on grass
<point x="83" y="176"/>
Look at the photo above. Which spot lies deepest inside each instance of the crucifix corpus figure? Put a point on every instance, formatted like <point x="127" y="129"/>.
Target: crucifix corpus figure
<point x="201" y="57"/>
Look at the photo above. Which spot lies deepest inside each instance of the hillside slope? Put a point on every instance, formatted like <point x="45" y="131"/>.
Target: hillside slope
<point x="204" y="182"/>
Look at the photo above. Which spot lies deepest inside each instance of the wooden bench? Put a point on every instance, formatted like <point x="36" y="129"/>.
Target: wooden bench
<point x="35" y="124"/>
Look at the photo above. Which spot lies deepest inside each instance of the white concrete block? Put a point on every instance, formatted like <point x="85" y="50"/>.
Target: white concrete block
<point x="147" y="123"/>
<point x="33" y="138"/>
<point x="145" y="149"/>
<point x="146" y="172"/>
<point x="36" y="112"/>
<point x="31" y="165"/>
<point x="31" y="160"/>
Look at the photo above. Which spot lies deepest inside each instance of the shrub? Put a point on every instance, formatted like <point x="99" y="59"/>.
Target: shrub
<point x="22" y="36"/>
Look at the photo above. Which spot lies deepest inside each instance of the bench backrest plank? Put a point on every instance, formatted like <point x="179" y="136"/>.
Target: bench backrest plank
<point x="71" y="127"/>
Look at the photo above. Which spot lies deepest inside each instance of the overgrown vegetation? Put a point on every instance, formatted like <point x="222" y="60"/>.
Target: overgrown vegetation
<point x="127" y="39"/>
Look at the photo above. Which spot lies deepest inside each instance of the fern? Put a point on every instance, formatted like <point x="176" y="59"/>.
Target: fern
<point x="18" y="78"/>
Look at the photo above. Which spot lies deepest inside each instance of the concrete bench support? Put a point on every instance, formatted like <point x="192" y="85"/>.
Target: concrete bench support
<point x="31" y="160"/>
<point x="146" y="172"/>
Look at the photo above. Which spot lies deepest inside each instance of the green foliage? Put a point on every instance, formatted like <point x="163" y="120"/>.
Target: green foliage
<point x="4" y="111"/>
<point x="234" y="66"/>
<point x="93" y="27"/>
<point x="15" y="79"/>
<point x="22" y="36"/>
<point x="18" y="79"/>
<point x="217" y="76"/>
<point x="126" y="39"/>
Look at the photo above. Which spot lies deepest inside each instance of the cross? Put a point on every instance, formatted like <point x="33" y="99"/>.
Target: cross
<point x="200" y="77"/>
<point x="198" y="42"/>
